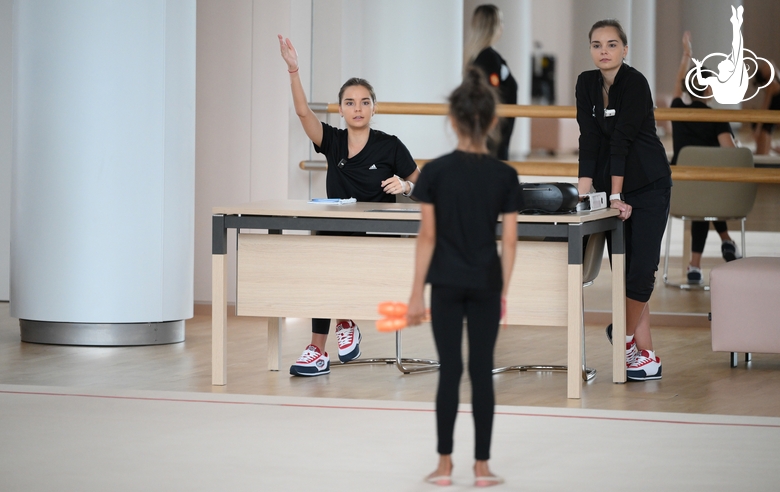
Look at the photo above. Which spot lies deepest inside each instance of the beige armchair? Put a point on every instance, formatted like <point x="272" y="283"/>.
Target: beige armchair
<point x="709" y="200"/>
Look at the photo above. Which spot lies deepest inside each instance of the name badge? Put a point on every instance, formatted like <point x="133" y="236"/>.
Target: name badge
<point x="609" y="112"/>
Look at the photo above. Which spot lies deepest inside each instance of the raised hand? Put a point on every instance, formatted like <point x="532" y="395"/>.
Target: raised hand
<point x="289" y="54"/>
<point x="686" y="43"/>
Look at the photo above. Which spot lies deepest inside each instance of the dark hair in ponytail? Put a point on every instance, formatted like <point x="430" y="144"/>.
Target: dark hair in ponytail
<point x="473" y="106"/>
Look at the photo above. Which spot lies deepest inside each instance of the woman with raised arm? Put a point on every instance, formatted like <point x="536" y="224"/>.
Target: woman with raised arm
<point x="462" y="195"/>
<point x="621" y="154"/>
<point x="363" y="163"/>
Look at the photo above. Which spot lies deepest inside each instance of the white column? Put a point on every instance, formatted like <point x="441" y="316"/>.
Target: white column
<point x="6" y="8"/>
<point x="104" y="152"/>
<point x="641" y="50"/>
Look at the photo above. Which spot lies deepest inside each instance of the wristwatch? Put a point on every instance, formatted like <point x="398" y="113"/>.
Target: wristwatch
<point x="617" y="196"/>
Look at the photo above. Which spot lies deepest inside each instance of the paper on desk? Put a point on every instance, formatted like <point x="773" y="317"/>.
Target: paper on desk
<point x="333" y="201"/>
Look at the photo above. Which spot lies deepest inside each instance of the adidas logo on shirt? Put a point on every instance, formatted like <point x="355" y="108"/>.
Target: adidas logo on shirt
<point x="373" y="166"/>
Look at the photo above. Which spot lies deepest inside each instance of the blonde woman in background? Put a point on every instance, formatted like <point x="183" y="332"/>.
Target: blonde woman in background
<point x="486" y="28"/>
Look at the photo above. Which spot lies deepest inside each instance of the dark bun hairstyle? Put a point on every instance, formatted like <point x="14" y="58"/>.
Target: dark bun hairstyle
<point x="473" y="106"/>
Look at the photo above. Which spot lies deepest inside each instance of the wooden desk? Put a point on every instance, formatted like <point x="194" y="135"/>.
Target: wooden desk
<point x="294" y="275"/>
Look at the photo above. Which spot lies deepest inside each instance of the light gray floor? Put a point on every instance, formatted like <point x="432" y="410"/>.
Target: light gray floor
<point x="55" y="438"/>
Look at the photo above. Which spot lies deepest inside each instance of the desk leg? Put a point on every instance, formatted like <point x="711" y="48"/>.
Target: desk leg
<point x="275" y="327"/>
<point x="686" y="251"/>
<point x="218" y="320"/>
<point x="574" y="335"/>
<point x="618" y="318"/>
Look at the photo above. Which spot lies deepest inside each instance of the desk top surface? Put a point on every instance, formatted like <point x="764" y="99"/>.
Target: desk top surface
<point x="377" y="210"/>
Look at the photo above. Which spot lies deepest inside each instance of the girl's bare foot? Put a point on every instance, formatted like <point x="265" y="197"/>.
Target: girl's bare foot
<point x="443" y="473"/>
<point x="483" y="477"/>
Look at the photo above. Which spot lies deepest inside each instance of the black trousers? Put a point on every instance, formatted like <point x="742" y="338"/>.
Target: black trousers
<point x="482" y="311"/>
<point x="699" y="231"/>
<point x="643" y="234"/>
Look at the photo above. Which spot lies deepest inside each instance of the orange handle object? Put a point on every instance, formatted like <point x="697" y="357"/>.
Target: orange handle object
<point x="390" y="324"/>
<point x="392" y="309"/>
<point x="395" y="316"/>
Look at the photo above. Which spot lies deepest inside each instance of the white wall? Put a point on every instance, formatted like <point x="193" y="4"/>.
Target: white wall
<point x="404" y="65"/>
<point x="223" y="125"/>
<point x="551" y="25"/>
<point x="6" y="8"/>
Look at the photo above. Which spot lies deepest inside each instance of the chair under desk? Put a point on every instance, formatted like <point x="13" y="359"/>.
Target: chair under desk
<point x="291" y="275"/>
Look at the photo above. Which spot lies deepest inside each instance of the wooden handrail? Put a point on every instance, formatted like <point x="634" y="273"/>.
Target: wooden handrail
<point x="531" y="111"/>
<point x="571" y="169"/>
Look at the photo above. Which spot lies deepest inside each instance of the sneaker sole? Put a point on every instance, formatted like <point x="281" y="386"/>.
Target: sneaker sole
<point x="642" y="376"/>
<point x="309" y="371"/>
<point x="350" y="356"/>
<point x="729" y="257"/>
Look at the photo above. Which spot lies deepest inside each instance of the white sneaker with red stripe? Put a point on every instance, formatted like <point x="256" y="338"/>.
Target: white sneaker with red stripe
<point x="646" y="366"/>
<point x="631" y="350"/>
<point x="312" y="362"/>
<point x="348" y="338"/>
<point x="631" y="353"/>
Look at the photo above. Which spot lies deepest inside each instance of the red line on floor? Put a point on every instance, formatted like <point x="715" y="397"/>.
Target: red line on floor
<point x="348" y="407"/>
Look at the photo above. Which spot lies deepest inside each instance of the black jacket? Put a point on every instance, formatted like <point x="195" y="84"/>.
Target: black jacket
<point x="625" y="143"/>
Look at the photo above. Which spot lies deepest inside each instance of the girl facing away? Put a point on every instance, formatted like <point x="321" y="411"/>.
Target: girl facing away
<point x="462" y="196"/>
<point x="363" y="163"/>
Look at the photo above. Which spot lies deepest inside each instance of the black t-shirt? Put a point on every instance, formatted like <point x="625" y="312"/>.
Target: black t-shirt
<point x="469" y="192"/>
<point x="701" y="133"/>
<point x="361" y="176"/>
<point x="498" y="74"/>
<point x="621" y="139"/>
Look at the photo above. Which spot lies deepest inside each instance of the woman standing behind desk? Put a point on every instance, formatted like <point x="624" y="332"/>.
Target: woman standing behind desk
<point x="364" y="164"/>
<point x="486" y="29"/>
<point x="620" y="154"/>
<point x="462" y="194"/>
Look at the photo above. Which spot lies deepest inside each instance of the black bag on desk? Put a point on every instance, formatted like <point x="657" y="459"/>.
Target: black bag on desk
<point x="547" y="198"/>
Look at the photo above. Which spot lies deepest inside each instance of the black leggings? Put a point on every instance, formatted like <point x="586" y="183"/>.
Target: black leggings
<point x="320" y="326"/>
<point x="699" y="231"/>
<point x="482" y="310"/>
<point x="643" y="233"/>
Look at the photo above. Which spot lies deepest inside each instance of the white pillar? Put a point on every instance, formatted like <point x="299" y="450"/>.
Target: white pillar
<point x="103" y="170"/>
<point x="6" y="9"/>
<point x="642" y="41"/>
